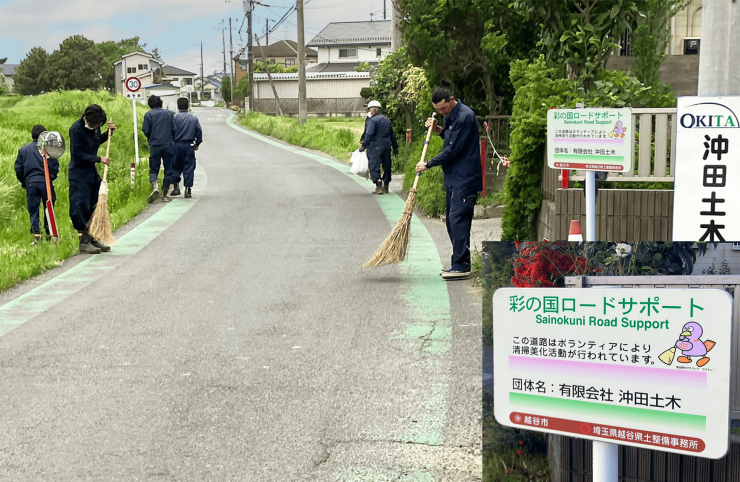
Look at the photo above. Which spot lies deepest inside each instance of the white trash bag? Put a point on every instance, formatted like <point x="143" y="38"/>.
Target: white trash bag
<point x="360" y="164"/>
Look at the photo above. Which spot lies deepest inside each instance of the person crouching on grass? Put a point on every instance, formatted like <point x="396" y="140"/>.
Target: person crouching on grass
<point x="29" y="169"/>
<point x="84" y="181"/>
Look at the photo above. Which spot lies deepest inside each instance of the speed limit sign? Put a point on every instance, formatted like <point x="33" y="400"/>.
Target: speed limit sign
<point x="133" y="84"/>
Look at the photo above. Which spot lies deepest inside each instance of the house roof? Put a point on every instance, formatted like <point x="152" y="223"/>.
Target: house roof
<point x="335" y="67"/>
<point x="8" y="69"/>
<point x="151" y="57"/>
<point x="170" y="70"/>
<point x="160" y="86"/>
<point x="281" y="48"/>
<point x="353" y="33"/>
<point x="314" y="75"/>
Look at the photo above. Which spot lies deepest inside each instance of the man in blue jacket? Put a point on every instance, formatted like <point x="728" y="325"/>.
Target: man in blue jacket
<point x="29" y="169"/>
<point x="378" y="139"/>
<point x="159" y="130"/>
<point x="188" y="137"/>
<point x="84" y="181"/>
<point x="460" y="161"/>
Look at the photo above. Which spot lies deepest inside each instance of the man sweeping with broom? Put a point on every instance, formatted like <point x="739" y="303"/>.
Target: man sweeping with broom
<point x="85" y="139"/>
<point x="460" y="161"/>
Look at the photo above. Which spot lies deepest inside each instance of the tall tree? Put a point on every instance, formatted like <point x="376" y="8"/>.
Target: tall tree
<point x="29" y="77"/>
<point x="78" y="64"/>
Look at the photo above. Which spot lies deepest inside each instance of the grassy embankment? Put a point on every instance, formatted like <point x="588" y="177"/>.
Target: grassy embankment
<point x="57" y="111"/>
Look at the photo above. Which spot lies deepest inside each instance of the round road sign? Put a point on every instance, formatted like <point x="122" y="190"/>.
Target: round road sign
<point x="133" y="84"/>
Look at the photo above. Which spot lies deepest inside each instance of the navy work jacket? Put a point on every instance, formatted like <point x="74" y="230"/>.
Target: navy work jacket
<point x="187" y="128"/>
<point x="83" y="150"/>
<point x="159" y="127"/>
<point x="378" y="132"/>
<point x="460" y="156"/>
<point x="29" y="165"/>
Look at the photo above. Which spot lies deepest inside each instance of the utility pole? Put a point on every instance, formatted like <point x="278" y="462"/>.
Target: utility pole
<point x="267" y="32"/>
<point x="719" y="62"/>
<point x="223" y="38"/>
<point x="201" y="70"/>
<point x="396" y="39"/>
<point x="269" y="77"/>
<point x="248" y="8"/>
<point x="231" y="64"/>
<point x="302" y="101"/>
<point x="384" y="10"/>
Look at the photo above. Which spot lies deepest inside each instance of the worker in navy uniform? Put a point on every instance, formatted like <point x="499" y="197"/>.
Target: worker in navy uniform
<point x="378" y="139"/>
<point x="85" y="139"/>
<point x="159" y="129"/>
<point x="188" y="137"/>
<point x="29" y="169"/>
<point x="460" y="161"/>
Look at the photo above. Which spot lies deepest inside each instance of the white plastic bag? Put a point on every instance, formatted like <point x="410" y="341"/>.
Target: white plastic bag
<point x="360" y="164"/>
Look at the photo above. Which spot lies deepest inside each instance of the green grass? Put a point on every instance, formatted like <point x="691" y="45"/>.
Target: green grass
<point x="57" y="111"/>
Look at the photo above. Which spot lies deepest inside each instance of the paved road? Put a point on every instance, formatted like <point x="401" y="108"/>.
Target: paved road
<point x="232" y="336"/>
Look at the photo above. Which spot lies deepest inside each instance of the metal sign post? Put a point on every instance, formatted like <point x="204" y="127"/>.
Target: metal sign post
<point x="647" y="368"/>
<point x="133" y="84"/>
<point x="593" y="140"/>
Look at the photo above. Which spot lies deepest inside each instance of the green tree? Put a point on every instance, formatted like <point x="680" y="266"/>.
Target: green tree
<point x="226" y="89"/>
<point x="78" y="64"/>
<point x="112" y="53"/>
<point x="29" y="77"/>
<point x="242" y="88"/>
<point x="580" y="33"/>
<point x="275" y="68"/>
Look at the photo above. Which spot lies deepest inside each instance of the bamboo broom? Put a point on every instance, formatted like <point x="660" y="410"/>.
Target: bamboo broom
<point x="99" y="227"/>
<point x="393" y="249"/>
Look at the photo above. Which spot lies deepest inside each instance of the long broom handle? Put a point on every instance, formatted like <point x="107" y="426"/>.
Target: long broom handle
<point x="426" y="147"/>
<point x="46" y="175"/>
<point x="107" y="154"/>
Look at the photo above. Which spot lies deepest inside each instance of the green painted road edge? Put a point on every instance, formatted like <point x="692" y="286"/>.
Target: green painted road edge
<point x="426" y="296"/>
<point x="35" y="302"/>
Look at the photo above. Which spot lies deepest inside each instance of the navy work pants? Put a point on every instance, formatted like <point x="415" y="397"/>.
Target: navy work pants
<point x="379" y="155"/>
<point x="184" y="164"/>
<point x="160" y="155"/>
<point x="459" y="219"/>
<point x="36" y="196"/>
<point x="83" y="196"/>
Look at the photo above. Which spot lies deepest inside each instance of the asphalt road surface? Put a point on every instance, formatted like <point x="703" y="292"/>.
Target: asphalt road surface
<point x="233" y="336"/>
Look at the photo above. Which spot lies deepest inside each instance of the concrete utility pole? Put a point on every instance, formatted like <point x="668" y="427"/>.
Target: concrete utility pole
<point x="201" y="70"/>
<point x="384" y="11"/>
<point x="269" y="78"/>
<point x="719" y="57"/>
<point x="396" y="39"/>
<point x="248" y="8"/>
<point x="223" y="38"/>
<point x="302" y="101"/>
<point x="231" y="64"/>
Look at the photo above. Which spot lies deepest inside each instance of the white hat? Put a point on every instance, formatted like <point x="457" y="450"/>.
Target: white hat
<point x="374" y="103"/>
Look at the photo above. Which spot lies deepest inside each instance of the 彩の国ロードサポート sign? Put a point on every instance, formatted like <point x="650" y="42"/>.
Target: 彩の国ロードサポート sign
<point x="643" y="367"/>
<point x="589" y="139"/>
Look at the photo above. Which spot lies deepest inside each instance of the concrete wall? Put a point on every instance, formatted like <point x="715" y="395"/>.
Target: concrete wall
<point x="681" y="72"/>
<point x="315" y="88"/>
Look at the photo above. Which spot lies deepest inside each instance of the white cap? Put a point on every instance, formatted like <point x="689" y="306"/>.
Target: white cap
<point x="374" y="103"/>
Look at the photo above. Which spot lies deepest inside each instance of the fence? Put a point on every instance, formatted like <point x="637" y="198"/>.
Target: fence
<point x="571" y="459"/>
<point x="337" y="106"/>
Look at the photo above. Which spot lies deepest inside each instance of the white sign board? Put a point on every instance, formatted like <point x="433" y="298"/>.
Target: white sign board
<point x="648" y="368"/>
<point x="133" y="95"/>
<point x="706" y="200"/>
<point x="589" y="139"/>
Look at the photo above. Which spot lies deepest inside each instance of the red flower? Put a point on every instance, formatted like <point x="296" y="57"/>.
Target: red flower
<point x="521" y="443"/>
<point x="519" y="452"/>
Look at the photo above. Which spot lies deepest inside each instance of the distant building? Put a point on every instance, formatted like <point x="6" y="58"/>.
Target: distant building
<point x="136" y="64"/>
<point x="8" y="70"/>
<point x="178" y="77"/>
<point x="342" y="46"/>
<point x="283" y="52"/>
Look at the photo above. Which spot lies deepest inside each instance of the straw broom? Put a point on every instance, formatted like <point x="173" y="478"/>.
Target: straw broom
<point x="393" y="249"/>
<point x="99" y="227"/>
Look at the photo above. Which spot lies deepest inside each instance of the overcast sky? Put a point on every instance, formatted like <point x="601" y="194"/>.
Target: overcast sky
<point x="176" y="27"/>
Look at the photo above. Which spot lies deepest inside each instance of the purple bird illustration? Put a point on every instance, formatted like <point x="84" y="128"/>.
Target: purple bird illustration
<point x="690" y="344"/>
<point x="618" y="131"/>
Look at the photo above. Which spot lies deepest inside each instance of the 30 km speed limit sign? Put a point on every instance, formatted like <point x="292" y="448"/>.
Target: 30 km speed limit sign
<point x="133" y="84"/>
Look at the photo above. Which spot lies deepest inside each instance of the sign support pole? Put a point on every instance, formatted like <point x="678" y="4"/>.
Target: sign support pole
<point x="136" y="144"/>
<point x="590" y="205"/>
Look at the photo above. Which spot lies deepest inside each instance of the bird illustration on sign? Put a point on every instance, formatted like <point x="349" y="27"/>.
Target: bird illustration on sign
<point x="690" y="344"/>
<point x="618" y="132"/>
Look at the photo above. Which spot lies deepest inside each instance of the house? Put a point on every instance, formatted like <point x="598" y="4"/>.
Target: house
<point x="8" y="70"/>
<point x="136" y="64"/>
<point x="167" y="92"/>
<point x="211" y="89"/>
<point x="342" y="46"/>
<point x="283" y="52"/>
<point x="178" y="77"/>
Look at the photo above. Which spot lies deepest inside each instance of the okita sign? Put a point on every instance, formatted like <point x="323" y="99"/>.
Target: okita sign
<point x="706" y="199"/>
<point x="648" y="368"/>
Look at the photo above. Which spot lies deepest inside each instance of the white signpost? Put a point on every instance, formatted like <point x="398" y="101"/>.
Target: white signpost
<point x="648" y="368"/>
<point x="706" y="197"/>
<point x="133" y="85"/>
<point x="592" y="139"/>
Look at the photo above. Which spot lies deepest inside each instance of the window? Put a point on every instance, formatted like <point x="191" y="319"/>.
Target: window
<point x="143" y="67"/>
<point x="378" y="52"/>
<point x="188" y="81"/>
<point x="289" y="62"/>
<point x="347" y="53"/>
<point x="131" y="70"/>
<point x="272" y="61"/>
<point x="175" y="79"/>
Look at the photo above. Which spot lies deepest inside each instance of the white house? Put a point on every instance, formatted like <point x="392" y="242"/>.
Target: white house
<point x="342" y="46"/>
<point x="135" y="64"/>
<point x="178" y="77"/>
<point x="8" y="70"/>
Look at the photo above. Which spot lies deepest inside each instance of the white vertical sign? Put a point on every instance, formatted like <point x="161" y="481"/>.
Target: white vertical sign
<point x="706" y="200"/>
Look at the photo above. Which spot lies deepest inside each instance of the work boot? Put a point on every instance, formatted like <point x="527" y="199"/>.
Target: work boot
<point x="378" y="188"/>
<point x="175" y="189"/>
<point x="188" y="193"/>
<point x="165" y="197"/>
<point x="85" y="246"/>
<point x="155" y="192"/>
<point x="100" y="245"/>
<point x="385" y="188"/>
<point x="36" y="239"/>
